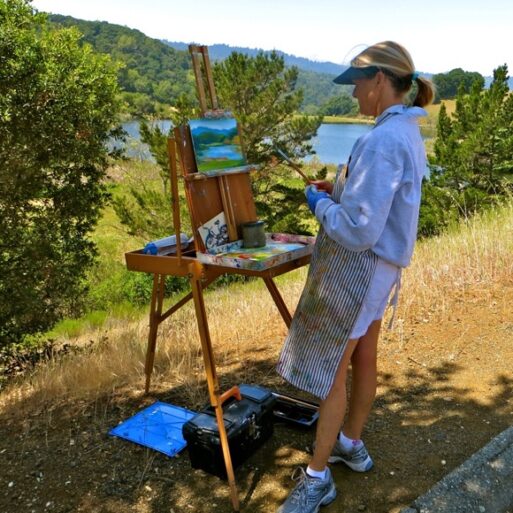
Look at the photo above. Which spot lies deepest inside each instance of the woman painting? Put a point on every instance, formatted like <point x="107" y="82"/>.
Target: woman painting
<point x="368" y="219"/>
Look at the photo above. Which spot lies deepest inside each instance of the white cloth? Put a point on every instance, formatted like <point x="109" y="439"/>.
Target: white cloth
<point x="385" y="277"/>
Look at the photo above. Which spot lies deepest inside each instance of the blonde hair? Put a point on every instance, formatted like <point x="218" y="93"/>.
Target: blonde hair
<point x="396" y="62"/>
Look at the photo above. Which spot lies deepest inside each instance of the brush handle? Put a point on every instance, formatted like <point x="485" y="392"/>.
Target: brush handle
<point x="296" y="168"/>
<point x="293" y="166"/>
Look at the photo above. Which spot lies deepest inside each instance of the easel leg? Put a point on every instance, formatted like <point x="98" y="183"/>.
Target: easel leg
<point x="213" y="384"/>
<point x="157" y="296"/>
<point x="282" y="307"/>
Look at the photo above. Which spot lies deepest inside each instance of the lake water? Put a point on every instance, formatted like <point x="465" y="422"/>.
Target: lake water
<point x="332" y="144"/>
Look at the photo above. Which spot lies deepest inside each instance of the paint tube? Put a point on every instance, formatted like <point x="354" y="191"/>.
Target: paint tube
<point x="165" y="245"/>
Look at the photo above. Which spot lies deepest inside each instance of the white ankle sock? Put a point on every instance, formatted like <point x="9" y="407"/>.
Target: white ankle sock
<point x="347" y="443"/>
<point x="319" y="474"/>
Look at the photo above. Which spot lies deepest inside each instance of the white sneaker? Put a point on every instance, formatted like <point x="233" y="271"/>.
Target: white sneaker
<point x="357" y="459"/>
<point x="309" y="494"/>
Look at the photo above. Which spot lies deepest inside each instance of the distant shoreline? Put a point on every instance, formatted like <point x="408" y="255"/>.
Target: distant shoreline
<point x="343" y="120"/>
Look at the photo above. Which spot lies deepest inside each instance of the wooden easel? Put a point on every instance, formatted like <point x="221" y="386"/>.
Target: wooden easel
<point x="206" y="197"/>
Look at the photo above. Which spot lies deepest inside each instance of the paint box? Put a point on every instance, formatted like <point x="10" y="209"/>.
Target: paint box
<point x="295" y="411"/>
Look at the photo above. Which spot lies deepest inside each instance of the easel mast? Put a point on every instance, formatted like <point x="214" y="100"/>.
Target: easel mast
<point x="203" y="73"/>
<point x="206" y="196"/>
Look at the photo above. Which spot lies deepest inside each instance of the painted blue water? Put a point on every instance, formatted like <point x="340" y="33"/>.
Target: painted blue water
<point x="332" y="144"/>
<point x="227" y="151"/>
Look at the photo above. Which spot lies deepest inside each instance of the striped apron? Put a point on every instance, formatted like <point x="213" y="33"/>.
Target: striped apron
<point x="336" y="286"/>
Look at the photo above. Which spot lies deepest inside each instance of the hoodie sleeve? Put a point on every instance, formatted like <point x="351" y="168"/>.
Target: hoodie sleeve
<point x="359" y="219"/>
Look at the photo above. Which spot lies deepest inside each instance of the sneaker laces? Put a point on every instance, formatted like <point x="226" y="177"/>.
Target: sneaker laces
<point x="302" y="493"/>
<point x="359" y="453"/>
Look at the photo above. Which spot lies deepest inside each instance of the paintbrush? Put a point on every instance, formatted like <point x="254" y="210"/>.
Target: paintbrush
<point x="293" y="165"/>
<point x="287" y="159"/>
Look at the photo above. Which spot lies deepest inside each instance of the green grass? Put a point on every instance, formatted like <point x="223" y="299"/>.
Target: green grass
<point x="350" y="120"/>
<point x="71" y="328"/>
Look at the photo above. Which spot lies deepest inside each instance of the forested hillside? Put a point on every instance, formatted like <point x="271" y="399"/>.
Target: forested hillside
<point x="154" y="74"/>
<point x="314" y="78"/>
<point x="219" y="52"/>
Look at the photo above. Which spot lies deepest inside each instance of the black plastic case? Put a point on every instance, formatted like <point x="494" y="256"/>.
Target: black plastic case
<point x="248" y="423"/>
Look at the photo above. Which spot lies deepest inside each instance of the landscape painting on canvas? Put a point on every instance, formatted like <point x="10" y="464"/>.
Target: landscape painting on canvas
<point x="216" y="144"/>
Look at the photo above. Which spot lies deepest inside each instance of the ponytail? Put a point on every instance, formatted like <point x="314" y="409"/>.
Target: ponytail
<point x="425" y="92"/>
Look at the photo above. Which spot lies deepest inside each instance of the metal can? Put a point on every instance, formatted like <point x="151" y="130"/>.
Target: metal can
<point x="253" y="234"/>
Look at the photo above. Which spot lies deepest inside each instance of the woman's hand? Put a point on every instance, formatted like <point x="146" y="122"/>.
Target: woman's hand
<point x="313" y="196"/>
<point x="323" y="185"/>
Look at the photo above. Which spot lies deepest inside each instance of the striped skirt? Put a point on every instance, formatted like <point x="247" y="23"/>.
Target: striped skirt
<point x="335" y="289"/>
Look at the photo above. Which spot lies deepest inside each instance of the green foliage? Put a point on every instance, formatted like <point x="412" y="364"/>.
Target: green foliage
<point x="341" y="105"/>
<point x="261" y="93"/>
<point x="146" y="211"/>
<point x="153" y="75"/>
<point x="473" y="162"/>
<point x="281" y="202"/>
<point x="448" y="84"/>
<point x="57" y="110"/>
<point x="316" y="88"/>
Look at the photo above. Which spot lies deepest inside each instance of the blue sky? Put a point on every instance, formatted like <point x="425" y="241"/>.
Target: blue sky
<point x="440" y="34"/>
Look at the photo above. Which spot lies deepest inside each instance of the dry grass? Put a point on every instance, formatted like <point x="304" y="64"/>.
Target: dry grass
<point x="247" y="330"/>
<point x="456" y="266"/>
<point x="428" y="124"/>
<point x="112" y="359"/>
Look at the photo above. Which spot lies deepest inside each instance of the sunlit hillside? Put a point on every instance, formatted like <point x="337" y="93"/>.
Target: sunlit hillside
<point x="247" y="329"/>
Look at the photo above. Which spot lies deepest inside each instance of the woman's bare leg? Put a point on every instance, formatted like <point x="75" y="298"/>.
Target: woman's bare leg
<point x="363" y="381"/>
<point x="331" y="413"/>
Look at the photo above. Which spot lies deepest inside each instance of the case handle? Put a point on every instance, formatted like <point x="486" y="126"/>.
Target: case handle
<point x="233" y="392"/>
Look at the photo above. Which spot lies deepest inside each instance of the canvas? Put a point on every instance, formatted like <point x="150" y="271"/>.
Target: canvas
<point x="217" y="145"/>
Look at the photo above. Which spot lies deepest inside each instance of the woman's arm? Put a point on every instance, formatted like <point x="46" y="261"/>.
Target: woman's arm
<point x="358" y="220"/>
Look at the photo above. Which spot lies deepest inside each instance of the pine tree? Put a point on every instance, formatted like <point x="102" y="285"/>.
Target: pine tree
<point x="57" y="108"/>
<point x="473" y="163"/>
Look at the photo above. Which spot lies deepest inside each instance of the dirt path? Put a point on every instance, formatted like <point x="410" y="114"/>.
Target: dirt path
<point x="445" y="389"/>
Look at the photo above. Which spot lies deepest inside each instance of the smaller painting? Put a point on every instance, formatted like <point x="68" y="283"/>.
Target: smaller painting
<point x="216" y="144"/>
<point x="214" y="233"/>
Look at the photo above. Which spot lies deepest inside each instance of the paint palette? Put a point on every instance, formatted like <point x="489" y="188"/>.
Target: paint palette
<point x="275" y="252"/>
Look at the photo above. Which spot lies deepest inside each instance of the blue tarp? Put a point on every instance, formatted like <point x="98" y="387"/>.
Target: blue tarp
<point x="158" y="427"/>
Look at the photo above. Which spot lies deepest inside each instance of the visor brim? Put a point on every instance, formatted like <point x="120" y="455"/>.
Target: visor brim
<point x="351" y="74"/>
